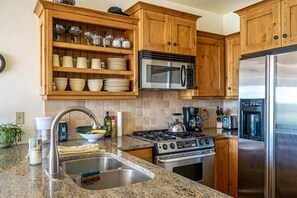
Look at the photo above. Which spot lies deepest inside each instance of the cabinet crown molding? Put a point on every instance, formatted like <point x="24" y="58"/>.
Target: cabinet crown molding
<point x="255" y="6"/>
<point x="47" y="5"/>
<point x="146" y="6"/>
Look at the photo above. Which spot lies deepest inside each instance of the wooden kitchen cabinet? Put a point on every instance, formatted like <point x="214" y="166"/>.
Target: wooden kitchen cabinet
<point x="268" y="25"/>
<point x="233" y="54"/>
<point x="51" y="13"/>
<point x="165" y="30"/>
<point x="289" y="25"/>
<point x="221" y="166"/>
<point x="145" y="154"/>
<point x="226" y="166"/>
<point x="210" y="66"/>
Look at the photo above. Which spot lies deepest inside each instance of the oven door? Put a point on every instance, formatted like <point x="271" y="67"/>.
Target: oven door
<point x="199" y="168"/>
<point x="157" y="74"/>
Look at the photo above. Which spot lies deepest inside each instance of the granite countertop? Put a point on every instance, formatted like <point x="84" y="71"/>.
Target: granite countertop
<point x="19" y="179"/>
<point x="220" y="133"/>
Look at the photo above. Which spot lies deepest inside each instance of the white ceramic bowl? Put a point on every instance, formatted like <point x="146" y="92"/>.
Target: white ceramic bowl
<point x="77" y="86"/>
<point x="60" y="79"/>
<point x="61" y="83"/>
<point x="95" y="85"/>
<point x="91" y="137"/>
<point x="77" y="80"/>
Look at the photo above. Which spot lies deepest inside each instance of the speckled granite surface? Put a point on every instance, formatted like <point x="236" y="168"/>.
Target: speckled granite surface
<point x="220" y="133"/>
<point x="19" y="179"/>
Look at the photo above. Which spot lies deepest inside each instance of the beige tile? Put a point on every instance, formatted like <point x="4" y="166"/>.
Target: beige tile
<point x="91" y="105"/>
<point x="139" y="128"/>
<point x="107" y="105"/>
<point x="60" y="105"/>
<point x="154" y="121"/>
<point x="80" y="103"/>
<point x="100" y="105"/>
<point x="71" y="103"/>
<point x="139" y="112"/>
<point x="146" y="112"/>
<point x="49" y="107"/>
<point x="146" y="121"/>
<point x="146" y="104"/>
<point x="146" y="94"/>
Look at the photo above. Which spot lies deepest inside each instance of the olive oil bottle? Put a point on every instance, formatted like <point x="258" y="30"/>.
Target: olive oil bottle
<point x="107" y="122"/>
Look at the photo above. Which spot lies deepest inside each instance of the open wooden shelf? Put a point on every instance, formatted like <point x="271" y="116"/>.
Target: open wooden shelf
<point x="89" y="95"/>
<point x="94" y="93"/>
<point x="92" y="48"/>
<point x="92" y="71"/>
<point x="51" y="13"/>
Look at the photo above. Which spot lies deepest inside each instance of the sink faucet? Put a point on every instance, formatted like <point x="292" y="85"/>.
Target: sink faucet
<point x="53" y="166"/>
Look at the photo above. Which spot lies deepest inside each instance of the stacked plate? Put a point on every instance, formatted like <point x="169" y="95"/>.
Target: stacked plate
<point x="117" y="64"/>
<point x="116" y="84"/>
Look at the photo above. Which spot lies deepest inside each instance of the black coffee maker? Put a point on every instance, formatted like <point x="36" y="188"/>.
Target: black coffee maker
<point x="192" y="120"/>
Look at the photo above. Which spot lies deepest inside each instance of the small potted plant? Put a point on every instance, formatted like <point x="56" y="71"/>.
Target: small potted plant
<point x="10" y="133"/>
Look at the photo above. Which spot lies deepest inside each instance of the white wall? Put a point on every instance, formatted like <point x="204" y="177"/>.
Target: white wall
<point x="210" y="22"/>
<point x="231" y="23"/>
<point x="19" y="43"/>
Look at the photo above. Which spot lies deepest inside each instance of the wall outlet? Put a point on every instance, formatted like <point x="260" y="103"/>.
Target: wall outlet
<point x="20" y="117"/>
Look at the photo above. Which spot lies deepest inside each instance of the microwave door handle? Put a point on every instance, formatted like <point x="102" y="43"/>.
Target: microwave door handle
<point x="183" y="75"/>
<point x="168" y="76"/>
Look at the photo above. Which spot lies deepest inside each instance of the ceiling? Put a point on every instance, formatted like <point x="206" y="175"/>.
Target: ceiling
<point x="218" y="6"/>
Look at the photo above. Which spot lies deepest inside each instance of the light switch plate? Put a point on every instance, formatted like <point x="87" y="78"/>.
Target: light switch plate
<point x="20" y="117"/>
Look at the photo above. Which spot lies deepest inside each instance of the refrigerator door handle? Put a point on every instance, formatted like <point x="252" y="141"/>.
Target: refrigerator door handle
<point x="270" y="143"/>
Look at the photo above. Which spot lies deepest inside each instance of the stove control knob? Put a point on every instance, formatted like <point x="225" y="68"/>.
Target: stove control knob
<point x="165" y="146"/>
<point x="206" y="141"/>
<point x="201" y="142"/>
<point x="172" y="146"/>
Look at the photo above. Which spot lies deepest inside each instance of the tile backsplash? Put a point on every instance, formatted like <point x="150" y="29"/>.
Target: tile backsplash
<point x="151" y="110"/>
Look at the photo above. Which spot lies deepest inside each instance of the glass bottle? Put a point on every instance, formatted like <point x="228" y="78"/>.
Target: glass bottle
<point x="63" y="131"/>
<point x="113" y="126"/>
<point x="107" y="122"/>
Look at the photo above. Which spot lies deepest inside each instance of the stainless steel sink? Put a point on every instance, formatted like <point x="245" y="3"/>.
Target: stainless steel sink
<point x="115" y="178"/>
<point x="75" y="167"/>
<point x="113" y="173"/>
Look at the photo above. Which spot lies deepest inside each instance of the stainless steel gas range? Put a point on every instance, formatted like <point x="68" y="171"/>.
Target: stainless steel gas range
<point x="190" y="154"/>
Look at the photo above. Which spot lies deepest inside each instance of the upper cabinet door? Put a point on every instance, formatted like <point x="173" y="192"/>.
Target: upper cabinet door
<point x="232" y="61"/>
<point x="260" y="29"/>
<point x="183" y="36"/>
<point x="210" y="66"/>
<point x="289" y="24"/>
<point x="156" y="31"/>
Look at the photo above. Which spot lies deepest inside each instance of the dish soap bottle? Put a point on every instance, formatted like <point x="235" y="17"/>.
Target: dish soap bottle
<point x="107" y="122"/>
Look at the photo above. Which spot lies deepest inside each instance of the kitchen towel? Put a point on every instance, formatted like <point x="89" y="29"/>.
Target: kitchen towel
<point x="89" y="148"/>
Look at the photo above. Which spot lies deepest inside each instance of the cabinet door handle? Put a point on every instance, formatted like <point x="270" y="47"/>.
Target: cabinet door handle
<point x="174" y="44"/>
<point x="168" y="43"/>
<point x="285" y="35"/>
<point x="275" y="37"/>
<point x="229" y="88"/>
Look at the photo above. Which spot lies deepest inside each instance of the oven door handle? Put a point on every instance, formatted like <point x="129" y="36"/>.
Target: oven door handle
<point x="186" y="158"/>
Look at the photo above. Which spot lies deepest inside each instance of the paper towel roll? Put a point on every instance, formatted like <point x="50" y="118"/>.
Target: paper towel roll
<point x="119" y="124"/>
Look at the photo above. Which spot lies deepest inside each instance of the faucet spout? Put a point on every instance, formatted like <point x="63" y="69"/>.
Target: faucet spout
<point x="53" y="166"/>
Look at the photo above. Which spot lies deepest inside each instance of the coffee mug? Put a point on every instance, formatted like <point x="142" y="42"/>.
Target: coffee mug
<point x="96" y="63"/>
<point x="67" y="61"/>
<point x="56" y="60"/>
<point x="81" y="62"/>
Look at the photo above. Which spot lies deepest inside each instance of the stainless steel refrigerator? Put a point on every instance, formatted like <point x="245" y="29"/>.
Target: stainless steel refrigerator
<point x="267" y="149"/>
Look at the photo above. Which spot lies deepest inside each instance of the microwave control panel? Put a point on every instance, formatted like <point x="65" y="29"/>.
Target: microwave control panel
<point x="190" y="77"/>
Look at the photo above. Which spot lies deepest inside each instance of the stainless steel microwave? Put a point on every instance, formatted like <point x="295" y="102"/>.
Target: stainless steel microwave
<point x="166" y="71"/>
